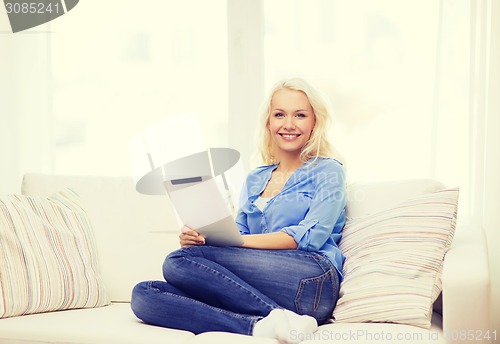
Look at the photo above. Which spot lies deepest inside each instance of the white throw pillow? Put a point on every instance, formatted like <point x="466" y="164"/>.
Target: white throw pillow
<point x="370" y="198"/>
<point x="394" y="258"/>
<point x="48" y="259"/>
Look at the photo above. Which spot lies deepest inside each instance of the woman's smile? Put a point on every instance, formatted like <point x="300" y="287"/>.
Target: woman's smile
<point x="289" y="137"/>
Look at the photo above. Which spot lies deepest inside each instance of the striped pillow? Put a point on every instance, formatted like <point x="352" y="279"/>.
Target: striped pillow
<point x="394" y="261"/>
<point x="47" y="256"/>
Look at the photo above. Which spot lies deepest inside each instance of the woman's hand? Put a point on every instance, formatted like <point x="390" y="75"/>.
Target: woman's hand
<point x="190" y="237"/>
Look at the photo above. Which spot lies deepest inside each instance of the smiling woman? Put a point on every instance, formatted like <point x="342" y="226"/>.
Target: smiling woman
<point x="291" y="216"/>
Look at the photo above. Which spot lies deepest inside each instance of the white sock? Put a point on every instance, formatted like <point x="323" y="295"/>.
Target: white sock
<point x="274" y="325"/>
<point x="285" y="326"/>
<point x="302" y="327"/>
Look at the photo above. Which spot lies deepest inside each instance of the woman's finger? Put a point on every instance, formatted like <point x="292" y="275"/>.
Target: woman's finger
<point x="191" y="238"/>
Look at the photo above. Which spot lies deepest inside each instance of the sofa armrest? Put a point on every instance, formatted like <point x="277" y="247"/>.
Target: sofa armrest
<point x="466" y="289"/>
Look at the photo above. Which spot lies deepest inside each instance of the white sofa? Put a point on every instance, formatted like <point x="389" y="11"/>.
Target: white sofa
<point x="135" y="232"/>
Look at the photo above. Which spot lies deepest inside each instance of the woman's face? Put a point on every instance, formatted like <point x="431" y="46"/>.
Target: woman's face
<point x="291" y="121"/>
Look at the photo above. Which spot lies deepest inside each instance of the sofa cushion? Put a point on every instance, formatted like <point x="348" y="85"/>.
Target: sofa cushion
<point x="48" y="256"/>
<point x="114" y="324"/>
<point x="394" y="261"/>
<point x="134" y="232"/>
<point x="117" y="324"/>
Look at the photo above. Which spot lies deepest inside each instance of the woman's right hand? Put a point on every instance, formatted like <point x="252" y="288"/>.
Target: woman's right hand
<point x="190" y="237"/>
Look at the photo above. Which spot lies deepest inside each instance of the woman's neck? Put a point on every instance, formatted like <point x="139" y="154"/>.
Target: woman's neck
<point x="289" y="164"/>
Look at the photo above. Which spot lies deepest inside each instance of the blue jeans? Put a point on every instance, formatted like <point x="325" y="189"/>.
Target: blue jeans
<point x="229" y="289"/>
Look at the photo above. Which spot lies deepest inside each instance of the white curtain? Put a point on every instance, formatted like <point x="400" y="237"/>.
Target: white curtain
<point x="75" y="90"/>
<point x="26" y="143"/>
<point x="485" y="121"/>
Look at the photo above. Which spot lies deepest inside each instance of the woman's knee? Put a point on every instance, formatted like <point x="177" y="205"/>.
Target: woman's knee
<point x="183" y="253"/>
<point x="139" y="294"/>
<point x="175" y="259"/>
<point x="173" y="256"/>
<point x="140" y="288"/>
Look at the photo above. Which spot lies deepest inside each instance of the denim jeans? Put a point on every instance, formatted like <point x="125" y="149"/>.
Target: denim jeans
<point x="229" y="289"/>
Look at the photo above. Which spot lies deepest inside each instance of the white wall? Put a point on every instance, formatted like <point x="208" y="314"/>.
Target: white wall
<point x="491" y="217"/>
<point x="246" y="76"/>
<point x="25" y="116"/>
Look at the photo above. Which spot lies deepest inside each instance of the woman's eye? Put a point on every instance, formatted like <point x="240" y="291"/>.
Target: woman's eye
<point x="300" y="115"/>
<point x="279" y="114"/>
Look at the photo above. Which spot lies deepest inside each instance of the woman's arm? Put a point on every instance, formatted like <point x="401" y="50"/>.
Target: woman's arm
<point x="269" y="241"/>
<point x="326" y="215"/>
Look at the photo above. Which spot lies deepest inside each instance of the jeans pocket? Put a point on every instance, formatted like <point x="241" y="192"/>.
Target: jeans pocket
<point x="311" y="296"/>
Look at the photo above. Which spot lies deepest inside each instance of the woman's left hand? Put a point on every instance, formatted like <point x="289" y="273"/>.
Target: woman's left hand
<point x="190" y="237"/>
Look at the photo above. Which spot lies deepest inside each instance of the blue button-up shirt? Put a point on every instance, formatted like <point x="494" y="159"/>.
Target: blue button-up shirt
<point x="310" y="207"/>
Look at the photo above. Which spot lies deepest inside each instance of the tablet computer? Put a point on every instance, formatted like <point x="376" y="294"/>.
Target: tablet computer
<point x="201" y="205"/>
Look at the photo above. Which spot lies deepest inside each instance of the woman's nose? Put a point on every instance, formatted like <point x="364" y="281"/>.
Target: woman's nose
<point x="289" y="123"/>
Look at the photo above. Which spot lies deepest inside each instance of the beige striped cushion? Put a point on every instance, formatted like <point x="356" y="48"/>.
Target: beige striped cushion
<point x="48" y="257"/>
<point x="394" y="261"/>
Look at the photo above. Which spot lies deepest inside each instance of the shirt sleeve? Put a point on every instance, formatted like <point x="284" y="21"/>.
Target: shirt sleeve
<point x="241" y="222"/>
<point x="327" y="205"/>
<point x="241" y="217"/>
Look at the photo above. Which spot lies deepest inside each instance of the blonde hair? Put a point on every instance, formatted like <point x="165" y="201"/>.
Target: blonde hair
<point x="318" y="145"/>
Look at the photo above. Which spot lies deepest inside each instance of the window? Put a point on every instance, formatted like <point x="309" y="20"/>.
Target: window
<point x="120" y="66"/>
<point x="397" y="74"/>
